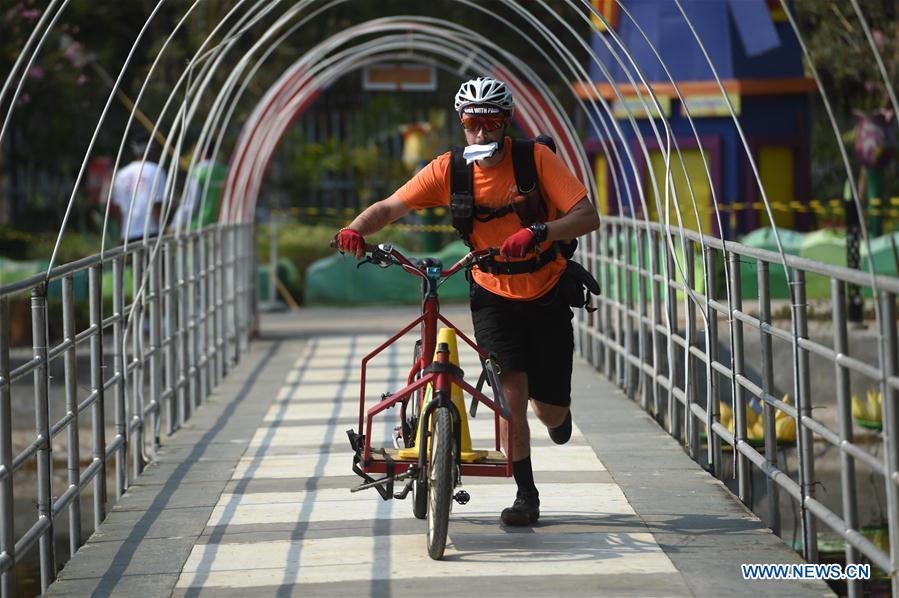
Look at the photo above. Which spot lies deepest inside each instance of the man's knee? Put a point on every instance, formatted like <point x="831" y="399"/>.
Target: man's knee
<point x="550" y="415"/>
<point x="515" y="388"/>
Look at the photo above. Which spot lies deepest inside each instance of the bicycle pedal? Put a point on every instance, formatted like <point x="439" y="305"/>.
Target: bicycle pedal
<point x="462" y="497"/>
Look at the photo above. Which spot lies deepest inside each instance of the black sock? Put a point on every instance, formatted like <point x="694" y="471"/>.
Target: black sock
<point x="524" y="475"/>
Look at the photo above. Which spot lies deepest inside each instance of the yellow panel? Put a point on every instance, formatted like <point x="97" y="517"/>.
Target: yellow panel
<point x="701" y="191"/>
<point x="776" y="171"/>
<point x="601" y="172"/>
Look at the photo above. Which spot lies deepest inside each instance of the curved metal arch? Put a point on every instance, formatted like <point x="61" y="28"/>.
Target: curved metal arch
<point x="258" y="127"/>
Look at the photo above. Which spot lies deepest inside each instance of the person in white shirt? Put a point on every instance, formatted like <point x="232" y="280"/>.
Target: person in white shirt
<point x="138" y="191"/>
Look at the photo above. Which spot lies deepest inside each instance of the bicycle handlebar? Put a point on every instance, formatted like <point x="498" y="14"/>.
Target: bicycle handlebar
<point x="379" y="253"/>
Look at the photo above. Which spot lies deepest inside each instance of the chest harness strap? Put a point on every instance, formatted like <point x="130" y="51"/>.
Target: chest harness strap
<point x="528" y="205"/>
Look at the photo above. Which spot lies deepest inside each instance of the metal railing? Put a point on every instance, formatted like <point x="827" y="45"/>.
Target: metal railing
<point x="637" y="332"/>
<point x="175" y="333"/>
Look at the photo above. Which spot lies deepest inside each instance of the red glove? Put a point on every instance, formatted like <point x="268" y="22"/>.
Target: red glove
<point x="350" y="241"/>
<point x="517" y="244"/>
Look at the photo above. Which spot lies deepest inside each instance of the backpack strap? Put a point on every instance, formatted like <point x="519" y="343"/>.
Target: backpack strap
<point x="461" y="195"/>
<point x="524" y="165"/>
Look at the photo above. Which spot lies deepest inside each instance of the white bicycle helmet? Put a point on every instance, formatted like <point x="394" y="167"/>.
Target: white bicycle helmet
<point x="485" y="90"/>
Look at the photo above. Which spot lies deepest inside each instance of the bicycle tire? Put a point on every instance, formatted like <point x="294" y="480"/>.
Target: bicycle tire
<point x="441" y="476"/>
<point x="419" y="489"/>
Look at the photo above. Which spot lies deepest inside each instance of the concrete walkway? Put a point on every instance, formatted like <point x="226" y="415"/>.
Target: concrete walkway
<point x="251" y="498"/>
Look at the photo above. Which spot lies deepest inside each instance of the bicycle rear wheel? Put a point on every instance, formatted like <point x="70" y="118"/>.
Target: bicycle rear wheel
<point x="441" y="470"/>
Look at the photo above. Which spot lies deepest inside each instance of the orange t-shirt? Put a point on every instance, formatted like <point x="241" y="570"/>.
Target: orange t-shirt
<point x="494" y="187"/>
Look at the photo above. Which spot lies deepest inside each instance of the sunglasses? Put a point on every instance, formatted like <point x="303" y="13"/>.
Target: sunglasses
<point x="472" y="122"/>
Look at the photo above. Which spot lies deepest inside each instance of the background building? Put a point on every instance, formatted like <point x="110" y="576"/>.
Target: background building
<point x="759" y="62"/>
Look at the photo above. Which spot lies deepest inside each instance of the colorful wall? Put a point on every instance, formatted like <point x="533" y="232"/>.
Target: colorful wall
<point x="760" y="65"/>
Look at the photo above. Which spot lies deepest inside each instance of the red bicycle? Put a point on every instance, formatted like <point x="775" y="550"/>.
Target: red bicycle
<point x="427" y="453"/>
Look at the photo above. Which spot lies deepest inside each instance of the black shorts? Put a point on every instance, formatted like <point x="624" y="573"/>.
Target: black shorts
<point x="534" y="337"/>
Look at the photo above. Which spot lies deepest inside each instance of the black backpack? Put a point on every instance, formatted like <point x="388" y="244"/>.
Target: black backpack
<point x="529" y="206"/>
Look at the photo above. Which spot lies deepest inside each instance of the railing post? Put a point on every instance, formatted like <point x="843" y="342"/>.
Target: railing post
<point x="252" y="304"/>
<point x="209" y="305"/>
<point x="98" y="413"/>
<point x="587" y="321"/>
<point x="183" y="384"/>
<point x="606" y="305"/>
<point x="628" y="310"/>
<point x="219" y="305"/>
<point x="193" y="374"/>
<point x="844" y="420"/>
<point x="118" y="335"/>
<point x="888" y="357"/>
<point x="135" y="419"/>
<point x="7" y="504"/>
<point x="711" y="354"/>
<point x="202" y="336"/>
<point x="239" y="283"/>
<point x="741" y="461"/>
<point x="656" y="305"/>
<point x="248" y="283"/>
<point x="674" y="406"/>
<point x="617" y="249"/>
<point x="691" y="389"/>
<point x="169" y="337"/>
<point x="230" y="297"/>
<point x="73" y="456"/>
<point x="640" y="379"/>
<point x="772" y="488"/>
<point x="42" y="427"/>
<point x="155" y="299"/>
<point x="804" y="407"/>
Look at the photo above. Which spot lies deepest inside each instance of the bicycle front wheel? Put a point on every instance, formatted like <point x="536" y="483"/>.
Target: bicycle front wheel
<point x="441" y="466"/>
<point x="419" y="490"/>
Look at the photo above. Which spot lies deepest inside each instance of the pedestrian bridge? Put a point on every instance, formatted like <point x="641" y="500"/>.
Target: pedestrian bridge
<point x="251" y="496"/>
<point x="204" y="442"/>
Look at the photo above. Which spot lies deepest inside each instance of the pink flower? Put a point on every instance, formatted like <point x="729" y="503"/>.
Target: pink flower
<point x="23" y="99"/>
<point x="31" y="13"/>
<point x="73" y="50"/>
<point x="36" y="72"/>
<point x="81" y="80"/>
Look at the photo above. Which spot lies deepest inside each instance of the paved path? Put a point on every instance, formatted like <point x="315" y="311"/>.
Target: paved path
<point x="252" y="497"/>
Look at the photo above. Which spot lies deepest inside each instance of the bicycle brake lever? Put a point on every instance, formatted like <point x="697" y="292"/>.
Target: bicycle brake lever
<point x="378" y="258"/>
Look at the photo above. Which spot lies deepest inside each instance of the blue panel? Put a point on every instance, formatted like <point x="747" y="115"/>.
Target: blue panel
<point x="755" y="29"/>
<point x="783" y="61"/>
<point x="669" y="33"/>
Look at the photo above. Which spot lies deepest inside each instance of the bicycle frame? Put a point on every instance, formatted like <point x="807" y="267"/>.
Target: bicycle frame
<point x="440" y="373"/>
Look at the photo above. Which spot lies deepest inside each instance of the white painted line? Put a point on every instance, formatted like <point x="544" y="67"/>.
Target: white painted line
<point x="339" y="463"/>
<point x="593" y="500"/>
<point x="405" y="557"/>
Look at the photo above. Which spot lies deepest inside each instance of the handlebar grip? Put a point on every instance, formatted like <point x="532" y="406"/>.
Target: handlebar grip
<point x="369" y="247"/>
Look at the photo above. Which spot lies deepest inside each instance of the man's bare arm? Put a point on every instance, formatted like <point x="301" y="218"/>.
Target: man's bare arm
<point x="377" y="216"/>
<point x="580" y="220"/>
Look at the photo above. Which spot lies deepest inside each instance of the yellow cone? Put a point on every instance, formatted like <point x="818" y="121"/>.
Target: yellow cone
<point x="448" y="336"/>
